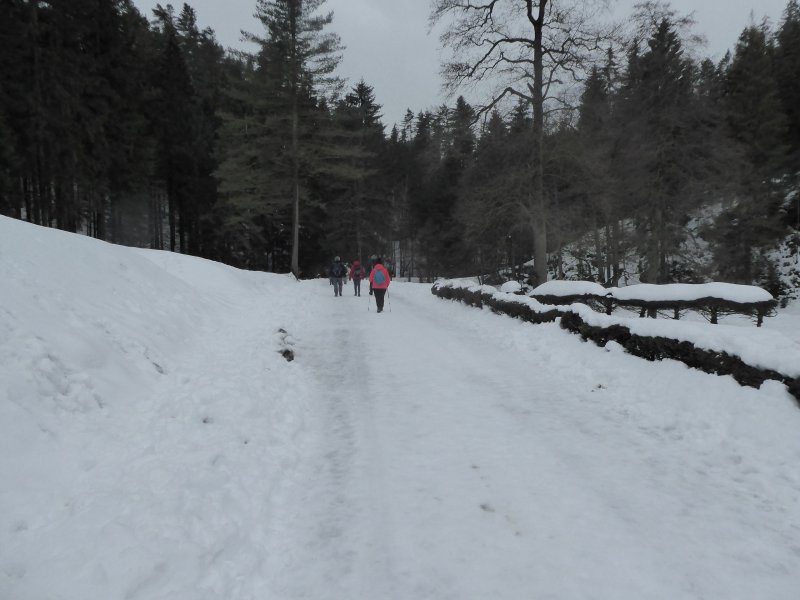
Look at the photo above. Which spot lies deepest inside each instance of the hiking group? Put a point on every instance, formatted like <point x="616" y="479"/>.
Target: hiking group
<point x="379" y="278"/>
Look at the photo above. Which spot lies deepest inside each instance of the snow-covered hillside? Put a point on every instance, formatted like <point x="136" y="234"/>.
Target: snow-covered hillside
<point x="155" y="444"/>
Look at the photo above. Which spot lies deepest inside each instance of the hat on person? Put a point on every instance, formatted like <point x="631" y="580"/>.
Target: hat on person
<point x="337" y="259"/>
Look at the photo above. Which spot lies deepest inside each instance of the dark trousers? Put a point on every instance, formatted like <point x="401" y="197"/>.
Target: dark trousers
<point x="337" y="285"/>
<point x="357" y="286"/>
<point x="379" y="296"/>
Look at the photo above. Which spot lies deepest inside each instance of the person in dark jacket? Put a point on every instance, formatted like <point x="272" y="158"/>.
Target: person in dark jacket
<point x="379" y="281"/>
<point x="338" y="273"/>
<point x="357" y="273"/>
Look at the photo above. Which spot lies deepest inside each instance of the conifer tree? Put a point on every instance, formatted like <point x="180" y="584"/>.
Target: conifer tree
<point x="757" y="122"/>
<point x="787" y="70"/>
<point x="175" y="112"/>
<point x="14" y="106"/>
<point x="595" y="183"/>
<point x="664" y="146"/>
<point x="359" y="215"/>
<point x="484" y="211"/>
<point x="298" y="59"/>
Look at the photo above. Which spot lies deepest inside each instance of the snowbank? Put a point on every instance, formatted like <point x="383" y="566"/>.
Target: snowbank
<point x="148" y="423"/>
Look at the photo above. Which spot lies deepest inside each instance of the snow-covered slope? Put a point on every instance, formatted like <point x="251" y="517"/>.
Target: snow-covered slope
<point x="154" y="444"/>
<point x="143" y="425"/>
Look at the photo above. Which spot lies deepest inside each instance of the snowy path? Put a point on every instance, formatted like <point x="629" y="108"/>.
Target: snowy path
<point x="154" y="445"/>
<point x="464" y="455"/>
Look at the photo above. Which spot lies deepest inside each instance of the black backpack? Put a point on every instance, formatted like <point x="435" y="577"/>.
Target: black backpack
<point x="338" y="270"/>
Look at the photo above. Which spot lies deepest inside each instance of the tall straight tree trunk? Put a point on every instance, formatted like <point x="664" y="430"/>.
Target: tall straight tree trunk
<point x="293" y="16"/>
<point x="27" y="186"/>
<point x="183" y="228"/>
<point x="172" y="210"/>
<point x="617" y="229"/>
<point x="40" y="190"/>
<point x="156" y="211"/>
<point x="100" y="231"/>
<point x="61" y="208"/>
<point x="296" y="191"/>
<point x="599" y="262"/>
<point x="539" y="222"/>
<point x="35" y="209"/>
<point x="608" y="258"/>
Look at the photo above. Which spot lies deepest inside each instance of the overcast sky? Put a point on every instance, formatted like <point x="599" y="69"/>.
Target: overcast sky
<point x="387" y="41"/>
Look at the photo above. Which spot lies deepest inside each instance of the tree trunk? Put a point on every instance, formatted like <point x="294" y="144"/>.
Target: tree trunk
<point x="27" y="186"/>
<point x="598" y="251"/>
<point x="296" y="200"/>
<point x="607" y="258"/>
<point x="100" y="231"/>
<point x="172" y="208"/>
<point x="616" y="256"/>
<point x="539" y="223"/>
<point x="295" y="142"/>
<point x="156" y="211"/>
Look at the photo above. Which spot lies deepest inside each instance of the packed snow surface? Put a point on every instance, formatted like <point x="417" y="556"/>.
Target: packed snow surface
<point x="154" y="444"/>
<point x="648" y="292"/>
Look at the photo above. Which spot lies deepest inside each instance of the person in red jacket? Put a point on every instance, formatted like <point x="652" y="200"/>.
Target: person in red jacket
<point x="379" y="282"/>
<point x="357" y="273"/>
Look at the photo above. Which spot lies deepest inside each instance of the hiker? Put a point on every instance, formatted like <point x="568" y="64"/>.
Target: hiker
<point x="338" y="273"/>
<point x="357" y="273"/>
<point x="370" y="266"/>
<point x="379" y="282"/>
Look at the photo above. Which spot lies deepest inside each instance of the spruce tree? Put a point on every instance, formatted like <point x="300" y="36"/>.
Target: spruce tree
<point x="486" y="210"/>
<point x="757" y="122"/>
<point x="787" y="74"/>
<point x="360" y="215"/>
<point x="175" y="111"/>
<point x="298" y="59"/>
<point x="663" y="149"/>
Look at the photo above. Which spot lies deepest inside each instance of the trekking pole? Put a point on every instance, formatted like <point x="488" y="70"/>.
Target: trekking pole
<point x="389" y="298"/>
<point x="369" y="302"/>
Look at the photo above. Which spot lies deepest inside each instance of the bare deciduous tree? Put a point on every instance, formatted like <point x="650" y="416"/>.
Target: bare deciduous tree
<point x="531" y="49"/>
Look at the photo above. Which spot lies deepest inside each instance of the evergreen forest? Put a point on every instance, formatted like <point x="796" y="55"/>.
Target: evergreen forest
<point x="656" y="163"/>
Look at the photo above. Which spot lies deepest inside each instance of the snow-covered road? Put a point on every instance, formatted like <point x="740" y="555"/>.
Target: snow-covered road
<point x="459" y="454"/>
<point x="155" y="445"/>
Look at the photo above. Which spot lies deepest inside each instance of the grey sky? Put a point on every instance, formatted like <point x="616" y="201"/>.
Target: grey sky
<point x="387" y="41"/>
